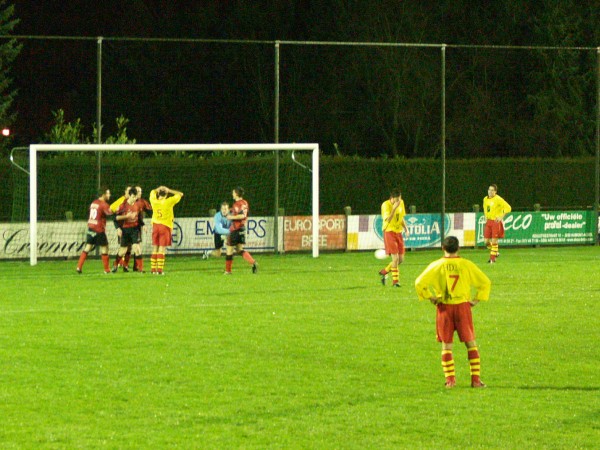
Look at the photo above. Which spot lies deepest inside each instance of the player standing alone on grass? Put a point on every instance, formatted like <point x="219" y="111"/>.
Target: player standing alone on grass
<point x="447" y="283"/>
<point x="96" y="234"/>
<point x="237" y="236"/>
<point x="162" y="200"/>
<point x="392" y="213"/>
<point x="494" y="208"/>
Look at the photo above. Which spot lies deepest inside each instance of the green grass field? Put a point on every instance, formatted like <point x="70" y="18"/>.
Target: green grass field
<point x="308" y="353"/>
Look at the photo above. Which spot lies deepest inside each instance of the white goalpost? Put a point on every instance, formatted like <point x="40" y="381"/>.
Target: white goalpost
<point x="104" y="150"/>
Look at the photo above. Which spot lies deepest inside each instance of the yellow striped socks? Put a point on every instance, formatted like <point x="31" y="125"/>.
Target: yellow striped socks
<point x="474" y="364"/>
<point x="448" y="364"/>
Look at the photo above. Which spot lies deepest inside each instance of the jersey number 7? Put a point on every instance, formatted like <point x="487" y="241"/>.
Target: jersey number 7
<point x="455" y="277"/>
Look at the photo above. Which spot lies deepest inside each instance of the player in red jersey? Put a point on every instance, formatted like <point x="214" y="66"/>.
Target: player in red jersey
<point x="129" y="212"/>
<point x="143" y="206"/>
<point x="114" y="207"/>
<point x="238" y="216"/>
<point x="96" y="234"/>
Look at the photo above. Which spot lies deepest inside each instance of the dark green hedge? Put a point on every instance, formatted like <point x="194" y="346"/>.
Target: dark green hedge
<point x="363" y="184"/>
<point x="69" y="184"/>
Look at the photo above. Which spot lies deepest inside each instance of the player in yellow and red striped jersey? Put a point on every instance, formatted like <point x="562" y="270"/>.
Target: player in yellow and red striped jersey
<point x="494" y="208"/>
<point x="447" y="283"/>
<point x="392" y="213"/>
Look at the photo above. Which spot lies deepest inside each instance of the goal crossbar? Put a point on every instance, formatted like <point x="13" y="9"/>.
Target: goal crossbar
<point x="33" y="174"/>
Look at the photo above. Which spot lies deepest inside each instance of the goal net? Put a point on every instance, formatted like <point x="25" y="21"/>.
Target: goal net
<point x="279" y="180"/>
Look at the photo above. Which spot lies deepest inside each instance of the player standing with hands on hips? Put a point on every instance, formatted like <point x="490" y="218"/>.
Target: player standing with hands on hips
<point x="392" y="213"/>
<point x="447" y="283"/>
<point x="494" y="208"/>
<point x="238" y="215"/>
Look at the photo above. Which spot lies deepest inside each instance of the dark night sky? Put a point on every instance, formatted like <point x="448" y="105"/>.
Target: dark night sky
<point x="217" y="93"/>
<point x="41" y="92"/>
<point x="37" y="98"/>
<point x="51" y="17"/>
<point x="137" y="18"/>
<point x="99" y="18"/>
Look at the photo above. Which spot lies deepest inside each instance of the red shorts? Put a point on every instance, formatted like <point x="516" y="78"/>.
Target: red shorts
<point x="161" y="235"/>
<point x="394" y="243"/>
<point x="493" y="229"/>
<point x="451" y="318"/>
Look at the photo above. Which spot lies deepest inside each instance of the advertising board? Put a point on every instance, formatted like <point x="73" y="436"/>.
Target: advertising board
<point x="544" y="228"/>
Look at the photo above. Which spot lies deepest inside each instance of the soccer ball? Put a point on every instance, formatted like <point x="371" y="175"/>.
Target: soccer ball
<point x="380" y="254"/>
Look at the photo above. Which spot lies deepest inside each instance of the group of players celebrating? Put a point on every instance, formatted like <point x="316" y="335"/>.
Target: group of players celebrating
<point x="128" y="213"/>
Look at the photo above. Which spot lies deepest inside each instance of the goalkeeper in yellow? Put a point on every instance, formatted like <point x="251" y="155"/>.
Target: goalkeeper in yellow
<point x="392" y="213"/>
<point x="448" y="283"/>
<point x="494" y="208"/>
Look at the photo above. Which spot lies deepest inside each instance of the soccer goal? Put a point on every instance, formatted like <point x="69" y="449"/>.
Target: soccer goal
<point x="279" y="180"/>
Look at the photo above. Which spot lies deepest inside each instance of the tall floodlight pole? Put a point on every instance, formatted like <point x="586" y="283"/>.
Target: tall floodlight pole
<point x="597" y="193"/>
<point x="443" y="119"/>
<point x="276" y="141"/>
<point x="276" y="96"/>
<point x="99" y="110"/>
